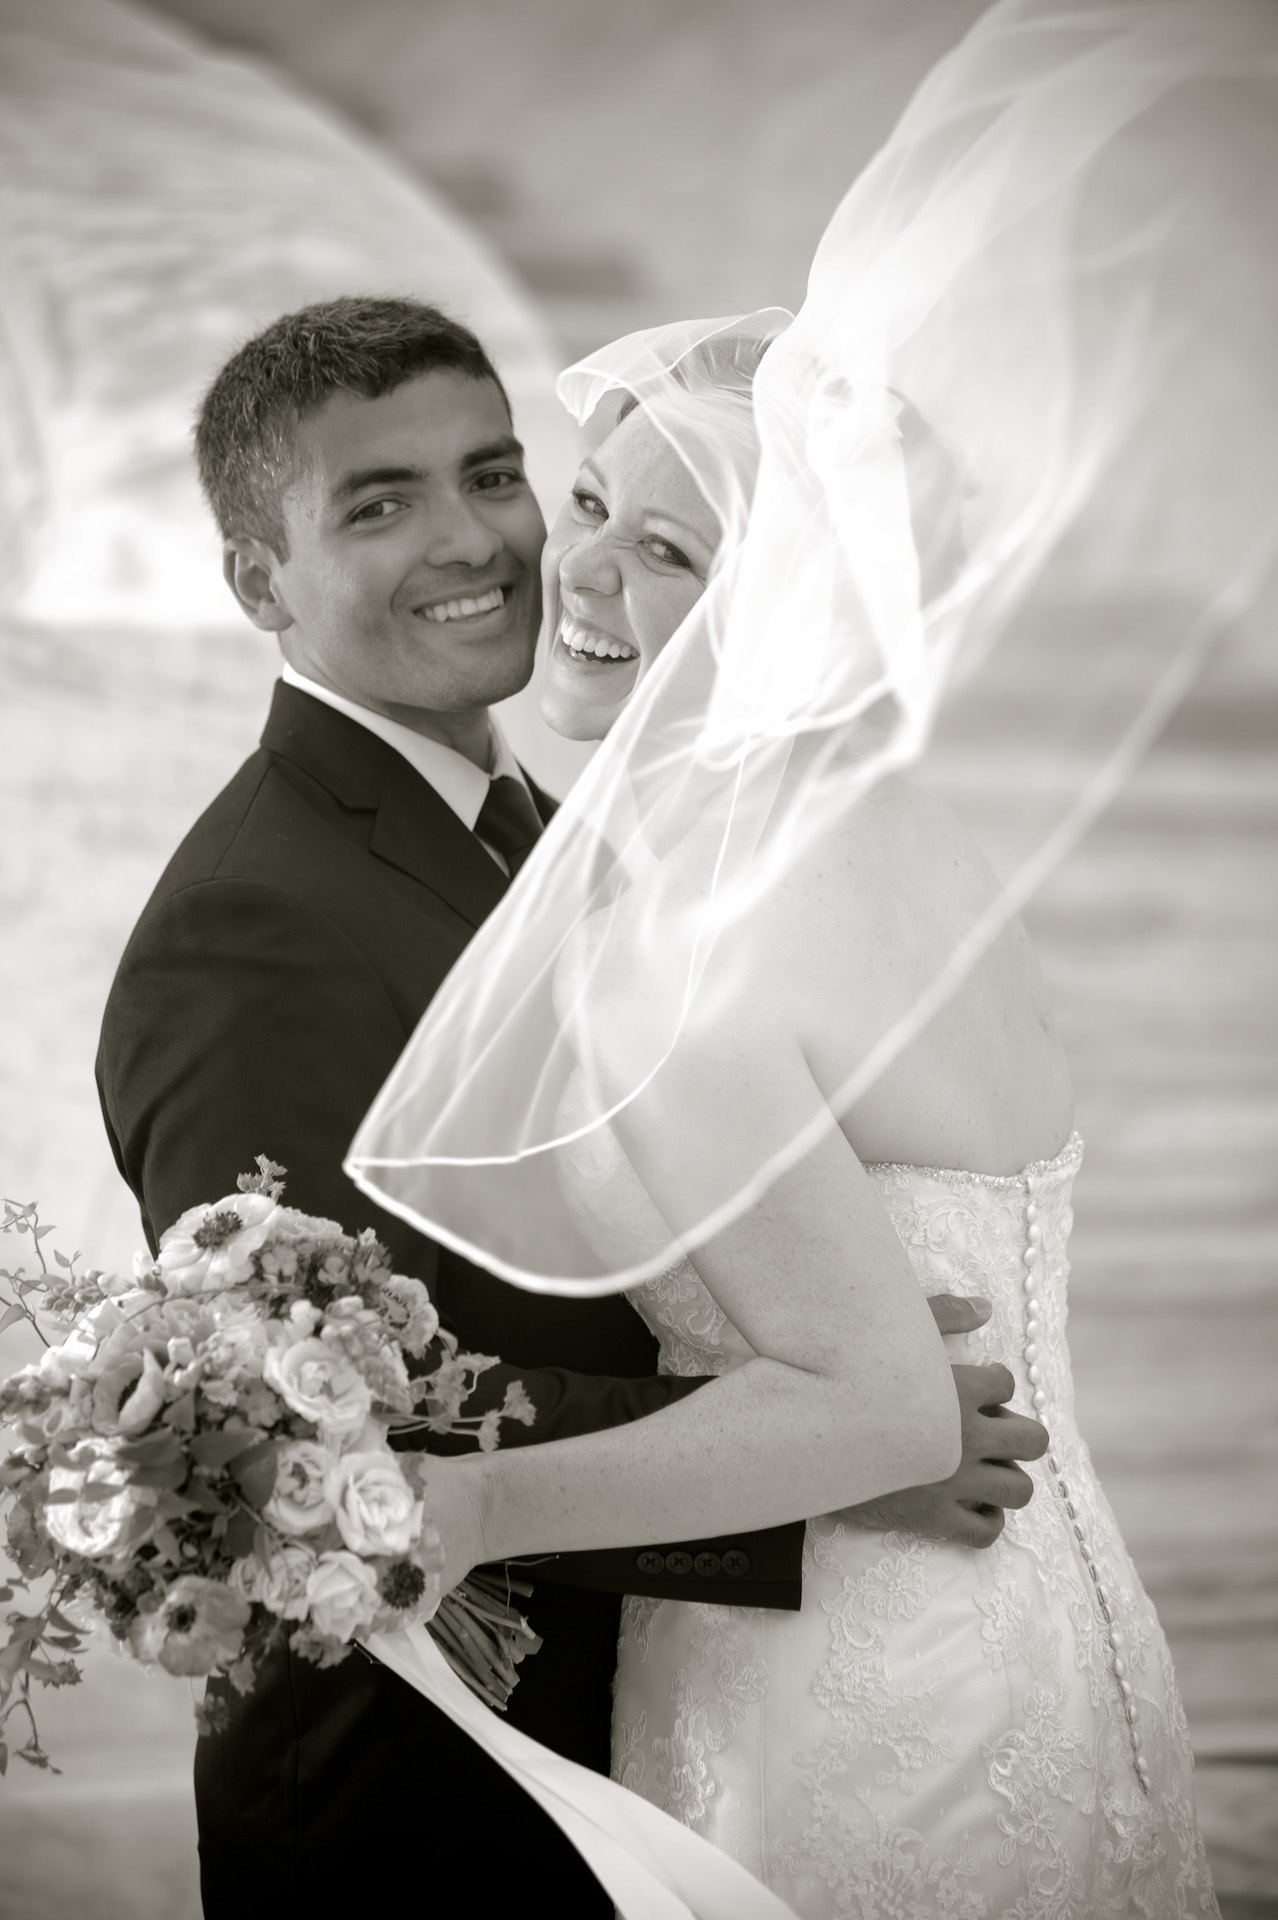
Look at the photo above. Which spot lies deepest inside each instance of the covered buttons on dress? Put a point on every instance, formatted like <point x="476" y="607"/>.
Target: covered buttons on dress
<point x="1032" y="1260"/>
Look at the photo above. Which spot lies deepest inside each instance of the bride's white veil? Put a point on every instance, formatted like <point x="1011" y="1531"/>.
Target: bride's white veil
<point x="1029" y="405"/>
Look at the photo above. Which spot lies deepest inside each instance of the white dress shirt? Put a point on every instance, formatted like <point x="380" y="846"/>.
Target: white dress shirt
<point x="458" y="781"/>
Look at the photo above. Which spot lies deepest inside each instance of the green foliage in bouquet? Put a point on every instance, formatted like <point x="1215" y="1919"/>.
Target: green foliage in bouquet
<point x="204" y="1458"/>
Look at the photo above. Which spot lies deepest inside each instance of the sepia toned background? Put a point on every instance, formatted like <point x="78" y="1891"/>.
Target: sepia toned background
<point x="561" y="171"/>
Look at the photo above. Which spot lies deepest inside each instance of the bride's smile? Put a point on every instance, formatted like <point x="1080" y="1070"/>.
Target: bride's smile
<point x="625" y="563"/>
<point x="586" y="643"/>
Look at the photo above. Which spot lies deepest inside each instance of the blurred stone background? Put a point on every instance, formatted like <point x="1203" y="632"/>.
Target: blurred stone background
<point x="598" y="166"/>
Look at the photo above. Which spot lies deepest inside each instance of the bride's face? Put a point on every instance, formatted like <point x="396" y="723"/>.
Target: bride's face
<point x="626" y="561"/>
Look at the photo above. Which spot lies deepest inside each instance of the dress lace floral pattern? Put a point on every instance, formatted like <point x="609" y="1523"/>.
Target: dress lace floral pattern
<point x="939" y="1732"/>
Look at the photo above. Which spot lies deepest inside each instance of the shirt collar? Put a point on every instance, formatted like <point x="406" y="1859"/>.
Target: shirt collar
<point x="458" y="781"/>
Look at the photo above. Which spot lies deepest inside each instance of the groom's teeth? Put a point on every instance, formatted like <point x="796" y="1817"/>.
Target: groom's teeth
<point x="465" y="609"/>
<point x="579" y="643"/>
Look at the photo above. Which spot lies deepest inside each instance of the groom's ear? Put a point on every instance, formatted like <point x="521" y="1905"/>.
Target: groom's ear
<point x="251" y="571"/>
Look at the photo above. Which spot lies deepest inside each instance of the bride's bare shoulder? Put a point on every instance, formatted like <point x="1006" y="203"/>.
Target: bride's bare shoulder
<point x="899" y="858"/>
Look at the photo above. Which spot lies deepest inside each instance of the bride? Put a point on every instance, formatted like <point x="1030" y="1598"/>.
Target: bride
<point x="757" y="1035"/>
<point x="970" y="1737"/>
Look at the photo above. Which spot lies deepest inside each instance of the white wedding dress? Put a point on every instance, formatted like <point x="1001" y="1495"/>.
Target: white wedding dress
<point x="939" y="1731"/>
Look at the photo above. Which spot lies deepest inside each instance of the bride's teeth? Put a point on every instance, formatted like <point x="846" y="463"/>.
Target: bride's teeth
<point x="595" y="645"/>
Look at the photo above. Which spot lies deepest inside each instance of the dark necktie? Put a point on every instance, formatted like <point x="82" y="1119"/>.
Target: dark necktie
<point x="509" y="821"/>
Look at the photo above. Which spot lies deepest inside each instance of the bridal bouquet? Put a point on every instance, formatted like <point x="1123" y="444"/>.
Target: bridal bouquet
<point x="204" y="1459"/>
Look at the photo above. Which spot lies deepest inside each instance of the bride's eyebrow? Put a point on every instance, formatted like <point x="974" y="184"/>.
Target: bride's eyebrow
<point x="685" y="528"/>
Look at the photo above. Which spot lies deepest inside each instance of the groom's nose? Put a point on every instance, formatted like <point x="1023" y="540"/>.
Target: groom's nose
<point x="590" y="565"/>
<point x="456" y="533"/>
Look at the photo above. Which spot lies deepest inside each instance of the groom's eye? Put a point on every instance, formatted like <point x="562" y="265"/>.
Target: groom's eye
<point x="377" y="510"/>
<point x="499" y="477"/>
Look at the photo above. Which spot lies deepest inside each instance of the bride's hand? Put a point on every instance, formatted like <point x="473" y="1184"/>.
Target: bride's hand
<point x="454" y="1493"/>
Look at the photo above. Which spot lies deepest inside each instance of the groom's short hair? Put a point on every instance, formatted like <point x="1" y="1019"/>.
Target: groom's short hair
<point x="245" y="434"/>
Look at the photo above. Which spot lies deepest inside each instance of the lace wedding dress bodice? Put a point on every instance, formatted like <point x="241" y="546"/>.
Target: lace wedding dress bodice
<point x="939" y="1731"/>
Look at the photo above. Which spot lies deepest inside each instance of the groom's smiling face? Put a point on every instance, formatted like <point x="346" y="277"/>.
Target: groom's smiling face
<point x="411" y="582"/>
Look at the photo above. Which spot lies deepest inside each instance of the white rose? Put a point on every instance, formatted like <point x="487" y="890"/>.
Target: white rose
<point x="94" y="1527"/>
<point x="342" y="1594"/>
<point x="373" y="1503"/>
<point x="280" y="1583"/>
<point x="319" y="1382"/>
<point x="290" y="1227"/>
<point x="298" y="1502"/>
<point x="211" y="1248"/>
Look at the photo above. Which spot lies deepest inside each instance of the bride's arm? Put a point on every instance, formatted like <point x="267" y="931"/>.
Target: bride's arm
<point x="850" y="1394"/>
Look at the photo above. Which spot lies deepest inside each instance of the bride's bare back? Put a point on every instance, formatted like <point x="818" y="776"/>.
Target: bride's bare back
<point x="858" y="935"/>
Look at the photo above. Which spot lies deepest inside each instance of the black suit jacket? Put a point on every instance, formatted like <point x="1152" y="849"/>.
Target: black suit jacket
<point x="271" y="983"/>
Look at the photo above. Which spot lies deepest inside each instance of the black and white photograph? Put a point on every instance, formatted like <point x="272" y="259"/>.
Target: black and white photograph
<point x="638" y="1044"/>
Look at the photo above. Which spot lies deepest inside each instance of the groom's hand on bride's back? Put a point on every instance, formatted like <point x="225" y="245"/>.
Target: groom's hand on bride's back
<point x="970" y="1507"/>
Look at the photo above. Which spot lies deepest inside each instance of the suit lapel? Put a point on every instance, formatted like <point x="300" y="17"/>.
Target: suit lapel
<point x="413" y="829"/>
<point x="420" y="834"/>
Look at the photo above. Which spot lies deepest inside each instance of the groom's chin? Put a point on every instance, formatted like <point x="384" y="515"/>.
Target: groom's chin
<point x="509" y="678"/>
<point x="498" y="673"/>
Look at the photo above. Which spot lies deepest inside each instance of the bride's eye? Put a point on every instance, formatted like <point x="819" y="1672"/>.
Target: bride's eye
<point x="589" y="503"/>
<point x="667" y="553"/>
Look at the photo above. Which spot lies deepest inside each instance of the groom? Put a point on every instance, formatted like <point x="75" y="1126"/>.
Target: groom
<point x="361" y="462"/>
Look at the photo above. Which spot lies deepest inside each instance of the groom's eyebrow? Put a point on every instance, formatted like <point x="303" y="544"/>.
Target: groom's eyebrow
<point x="507" y="448"/>
<point x="361" y="477"/>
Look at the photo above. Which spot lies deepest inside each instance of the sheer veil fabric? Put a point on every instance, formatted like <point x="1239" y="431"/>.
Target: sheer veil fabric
<point x="1028" y="405"/>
